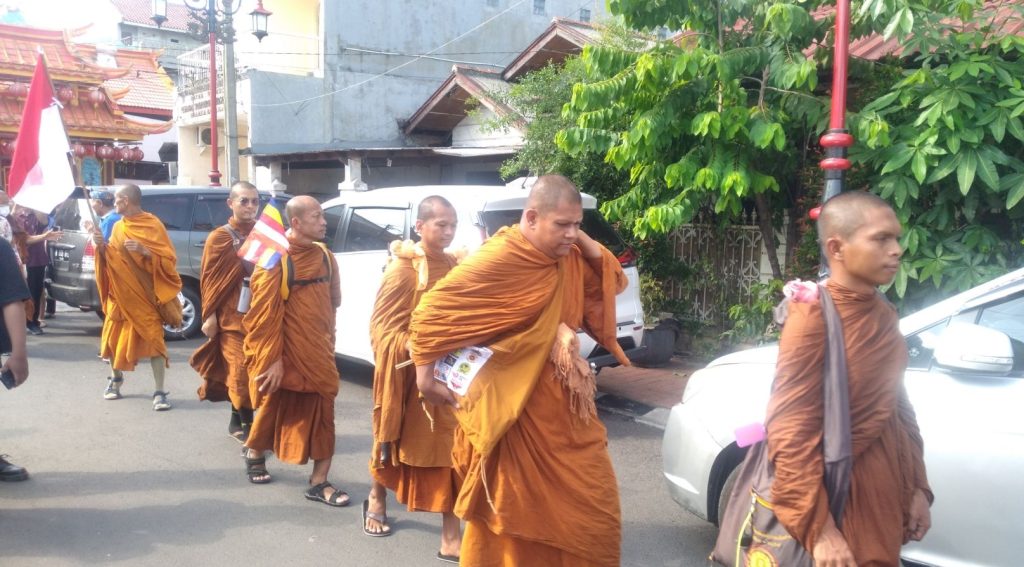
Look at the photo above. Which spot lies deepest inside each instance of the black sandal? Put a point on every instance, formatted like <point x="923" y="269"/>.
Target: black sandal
<point x="316" y="493"/>
<point x="257" y="468"/>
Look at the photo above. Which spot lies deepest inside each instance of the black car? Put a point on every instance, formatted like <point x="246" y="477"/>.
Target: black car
<point x="188" y="213"/>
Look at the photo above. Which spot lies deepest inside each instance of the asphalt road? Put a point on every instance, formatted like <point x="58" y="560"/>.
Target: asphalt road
<point x="114" y="482"/>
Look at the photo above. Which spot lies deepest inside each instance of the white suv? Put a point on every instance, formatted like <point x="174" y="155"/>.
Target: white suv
<point x="361" y="225"/>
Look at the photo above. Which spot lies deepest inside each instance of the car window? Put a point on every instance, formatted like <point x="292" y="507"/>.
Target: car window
<point x="74" y="214"/>
<point x="593" y="224"/>
<point x="211" y="212"/>
<point x="1007" y="316"/>
<point x="921" y="345"/>
<point x="374" y="228"/>
<point x="333" y="217"/>
<point x="175" y="210"/>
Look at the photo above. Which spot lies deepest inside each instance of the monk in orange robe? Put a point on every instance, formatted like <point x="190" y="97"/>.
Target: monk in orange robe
<point x="220" y="361"/>
<point x="136" y="271"/>
<point x="412" y="442"/>
<point x="289" y="352"/>
<point x="889" y="497"/>
<point x="538" y="486"/>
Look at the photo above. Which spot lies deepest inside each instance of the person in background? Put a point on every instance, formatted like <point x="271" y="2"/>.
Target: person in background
<point x="102" y="202"/>
<point x="36" y="236"/>
<point x="13" y="293"/>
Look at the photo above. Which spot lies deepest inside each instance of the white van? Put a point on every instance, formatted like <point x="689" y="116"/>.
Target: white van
<point x="361" y="225"/>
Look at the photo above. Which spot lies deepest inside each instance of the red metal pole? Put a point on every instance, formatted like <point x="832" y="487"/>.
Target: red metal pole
<point x="837" y="140"/>
<point x="214" y="166"/>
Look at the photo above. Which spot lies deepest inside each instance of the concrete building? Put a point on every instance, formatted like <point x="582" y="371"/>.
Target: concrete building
<point x="334" y="111"/>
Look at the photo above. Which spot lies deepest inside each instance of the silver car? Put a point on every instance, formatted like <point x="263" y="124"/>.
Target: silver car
<point x="966" y="381"/>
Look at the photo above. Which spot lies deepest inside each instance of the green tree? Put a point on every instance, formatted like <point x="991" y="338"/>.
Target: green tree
<point x="945" y="143"/>
<point x="723" y="117"/>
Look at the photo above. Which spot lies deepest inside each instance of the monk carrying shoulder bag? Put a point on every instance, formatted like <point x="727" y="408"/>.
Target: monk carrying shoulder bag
<point x="750" y="534"/>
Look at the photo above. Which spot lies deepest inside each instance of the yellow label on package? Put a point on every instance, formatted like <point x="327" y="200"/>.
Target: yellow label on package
<point x="459" y="368"/>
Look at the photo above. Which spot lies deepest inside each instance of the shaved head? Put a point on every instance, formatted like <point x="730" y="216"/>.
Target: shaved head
<point x="843" y="214"/>
<point x="131" y="193"/>
<point x="550" y="191"/>
<point x="431" y="207"/>
<point x="300" y="205"/>
<point x="239" y="187"/>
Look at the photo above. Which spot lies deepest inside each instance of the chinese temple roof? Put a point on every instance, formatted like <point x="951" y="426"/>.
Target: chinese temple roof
<point x="95" y="97"/>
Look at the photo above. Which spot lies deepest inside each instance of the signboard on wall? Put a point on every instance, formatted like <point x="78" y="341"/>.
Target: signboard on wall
<point x="92" y="171"/>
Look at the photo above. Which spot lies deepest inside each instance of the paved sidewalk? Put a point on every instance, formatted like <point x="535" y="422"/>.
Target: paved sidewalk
<point x="645" y="394"/>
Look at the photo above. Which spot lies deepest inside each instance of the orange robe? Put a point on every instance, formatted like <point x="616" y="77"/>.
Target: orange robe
<point x="132" y="329"/>
<point x="888" y="453"/>
<point x="220" y="361"/>
<point x="419" y="469"/>
<point x="538" y="485"/>
<point x="296" y="421"/>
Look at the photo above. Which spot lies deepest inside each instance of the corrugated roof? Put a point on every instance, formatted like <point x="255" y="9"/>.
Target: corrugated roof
<point x="140" y="12"/>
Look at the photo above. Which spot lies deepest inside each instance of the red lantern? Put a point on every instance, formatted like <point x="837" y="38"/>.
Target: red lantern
<point x="65" y="94"/>
<point x="18" y="89"/>
<point x="138" y="154"/>
<point x="96" y="96"/>
<point x="106" y="152"/>
<point x="5" y="147"/>
<point x="14" y="145"/>
<point x="79" y="150"/>
<point x="90" y="150"/>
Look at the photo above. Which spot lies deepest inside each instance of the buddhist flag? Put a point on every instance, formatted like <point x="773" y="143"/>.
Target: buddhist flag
<point x="41" y="175"/>
<point x="266" y="242"/>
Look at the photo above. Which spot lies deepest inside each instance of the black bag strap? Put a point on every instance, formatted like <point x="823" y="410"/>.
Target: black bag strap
<point x="837" y="439"/>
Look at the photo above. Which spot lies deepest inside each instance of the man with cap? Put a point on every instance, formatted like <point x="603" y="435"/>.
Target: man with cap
<point x="102" y="202"/>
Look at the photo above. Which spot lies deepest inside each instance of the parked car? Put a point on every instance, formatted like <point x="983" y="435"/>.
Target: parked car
<point x="188" y="213"/>
<point x="965" y="378"/>
<point x="361" y="225"/>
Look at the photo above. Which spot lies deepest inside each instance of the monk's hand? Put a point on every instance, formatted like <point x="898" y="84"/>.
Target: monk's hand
<point x="270" y="380"/>
<point x="135" y="246"/>
<point x="210" y="327"/>
<point x="590" y="247"/>
<point x="433" y="391"/>
<point x="97" y="238"/>
<point x="831" y="549"/>
<point x="920" y="517"/>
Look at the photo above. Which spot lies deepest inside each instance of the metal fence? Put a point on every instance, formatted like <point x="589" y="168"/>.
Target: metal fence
<point x="727" y="263"/>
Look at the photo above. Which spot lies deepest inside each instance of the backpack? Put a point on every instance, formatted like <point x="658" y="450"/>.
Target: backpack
<point x="288" y="280"/>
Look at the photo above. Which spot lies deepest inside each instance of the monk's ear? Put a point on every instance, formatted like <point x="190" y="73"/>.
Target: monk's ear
<point x="834" y="248"/>
<point x="530" y="216"/>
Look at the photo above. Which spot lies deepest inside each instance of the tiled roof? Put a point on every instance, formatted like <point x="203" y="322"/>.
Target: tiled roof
<point x="447" y="106"/>
<point x="146" y="87"/>
<point x="82" y="118"/>
<point x="140" y="12"/>
<point x="18" y="49"/>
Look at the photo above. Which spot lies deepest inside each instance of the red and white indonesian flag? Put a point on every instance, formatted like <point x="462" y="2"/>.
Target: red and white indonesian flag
<point x="41" y="175"/>
<point x="266" y="242"/>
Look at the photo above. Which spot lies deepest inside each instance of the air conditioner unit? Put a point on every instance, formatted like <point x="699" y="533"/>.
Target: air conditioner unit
<point x="203" y="137"/>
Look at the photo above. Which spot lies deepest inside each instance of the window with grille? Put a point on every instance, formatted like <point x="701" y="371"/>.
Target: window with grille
<point x="538" y="7"/>
<point x="584" y="15"/>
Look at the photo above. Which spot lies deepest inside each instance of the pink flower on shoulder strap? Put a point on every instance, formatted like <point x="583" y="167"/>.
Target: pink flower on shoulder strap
<point x="800" y="291"/>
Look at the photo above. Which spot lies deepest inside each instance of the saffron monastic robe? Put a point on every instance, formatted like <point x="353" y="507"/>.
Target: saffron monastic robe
<point x="296" y="421"/>
<point x="888" y="453"/>
<point x="132" y="329"/>
<point x="220" y="361"/>
<point x="538" y="485"/>
<point x="419" y="464"/>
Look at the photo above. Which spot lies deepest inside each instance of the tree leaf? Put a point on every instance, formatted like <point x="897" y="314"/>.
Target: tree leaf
<point x="901" y="158"/>
<point x="987" y="172"/>
<point x="919" y="166"/>
<point x="945" y="167"/>
<point x="1016" y="192"/>
<point x="965" y="171"/>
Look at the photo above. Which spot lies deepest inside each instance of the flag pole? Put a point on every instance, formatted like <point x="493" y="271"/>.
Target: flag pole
<point x="837" y="140"/>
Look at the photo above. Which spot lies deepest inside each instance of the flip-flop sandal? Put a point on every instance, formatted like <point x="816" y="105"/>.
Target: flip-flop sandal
<point x="380" y="518"/>
<point x="316" y="493"/>
<point x="448" y="558"/>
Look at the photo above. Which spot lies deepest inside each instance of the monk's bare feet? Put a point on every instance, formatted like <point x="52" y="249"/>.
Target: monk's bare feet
<point x="375" y="513"/>
<point x="451" y="536"/>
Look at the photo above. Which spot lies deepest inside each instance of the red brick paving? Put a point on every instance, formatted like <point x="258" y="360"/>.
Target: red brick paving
<point x="658" y="387"/>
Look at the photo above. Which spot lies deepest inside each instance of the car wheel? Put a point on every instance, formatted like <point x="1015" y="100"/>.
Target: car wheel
<point x="190" y="316"/>
<point x="723" y="496"/>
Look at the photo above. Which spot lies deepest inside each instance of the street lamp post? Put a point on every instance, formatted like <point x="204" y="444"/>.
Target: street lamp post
<point x="207" y="12"/>
<point x="838" y="139"/>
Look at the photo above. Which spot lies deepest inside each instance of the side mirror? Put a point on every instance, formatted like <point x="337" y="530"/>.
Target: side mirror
<point x="965" y="346"/>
